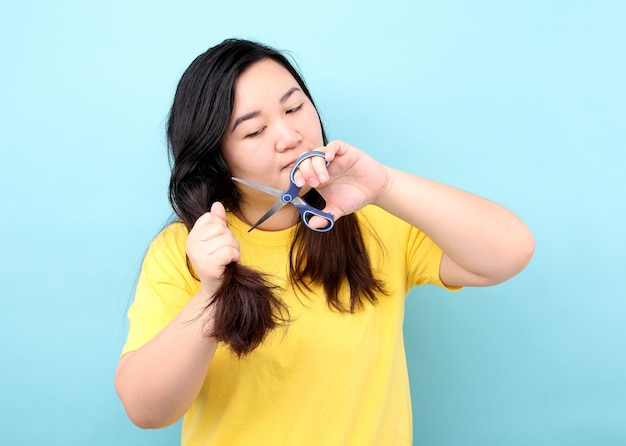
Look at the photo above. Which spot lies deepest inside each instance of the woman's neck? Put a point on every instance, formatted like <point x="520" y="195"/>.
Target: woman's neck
<point x="282" y="219"/>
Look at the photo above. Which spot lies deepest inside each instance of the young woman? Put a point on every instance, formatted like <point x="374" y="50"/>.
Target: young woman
<point x="286" y="335"/>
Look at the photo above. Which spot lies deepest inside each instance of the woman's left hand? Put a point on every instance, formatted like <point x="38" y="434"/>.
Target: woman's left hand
<point x="351" y="181"/>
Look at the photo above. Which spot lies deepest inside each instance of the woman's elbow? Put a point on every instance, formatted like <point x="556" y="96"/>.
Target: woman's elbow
<point x="525" y="250"/>
<point x="514" y="256"/>
<point x="140" y="415"/>
<point x="518" y="255"/>
<point x="145" y="422"/>
<point x="140" y="412"/>
<point x="142" y="419"/>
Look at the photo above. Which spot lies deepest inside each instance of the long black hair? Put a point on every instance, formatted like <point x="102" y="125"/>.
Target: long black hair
<point x="246" y="307"/>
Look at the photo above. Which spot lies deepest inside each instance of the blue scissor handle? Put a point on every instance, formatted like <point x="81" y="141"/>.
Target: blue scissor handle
<point x="306" y="211"/>
<point x="293" y="190"/>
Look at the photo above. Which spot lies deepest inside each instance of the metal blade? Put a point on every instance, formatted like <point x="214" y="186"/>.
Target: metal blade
<point x="263" y="188"/>
<point x="278" y="205"/>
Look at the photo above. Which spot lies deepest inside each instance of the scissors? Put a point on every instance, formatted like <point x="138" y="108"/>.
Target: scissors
<point x="291" y="196"/>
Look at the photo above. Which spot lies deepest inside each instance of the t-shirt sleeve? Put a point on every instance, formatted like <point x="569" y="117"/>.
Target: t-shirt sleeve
<point x="408" y="248"/>
<point x="165" y="285"/>
<point x="423" y="260"/>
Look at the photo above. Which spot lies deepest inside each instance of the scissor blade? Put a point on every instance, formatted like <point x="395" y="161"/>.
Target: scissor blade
<point x="263" y="188"/>
<point x="271" y="211"/>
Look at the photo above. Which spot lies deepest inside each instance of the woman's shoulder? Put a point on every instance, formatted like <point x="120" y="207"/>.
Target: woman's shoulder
<point x="386" y="227"/>
<point x="174" y="229"/>
<point x="171" y="238"/>
<point x="379" y="219"/>
<point x="166" y="256"/>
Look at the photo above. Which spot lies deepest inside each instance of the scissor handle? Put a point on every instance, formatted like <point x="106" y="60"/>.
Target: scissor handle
<point x="307" y="212"/>
<point x="302" y="157"/>
<point x="294" y="190"/>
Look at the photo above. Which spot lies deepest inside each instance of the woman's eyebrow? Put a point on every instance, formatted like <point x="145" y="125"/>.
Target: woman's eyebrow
<point x="254" y="114"/>
<point x="245" y="117"/>
<point x="287" y="95"/>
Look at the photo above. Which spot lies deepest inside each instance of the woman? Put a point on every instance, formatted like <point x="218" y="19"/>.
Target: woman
<point x="285" y="335"/>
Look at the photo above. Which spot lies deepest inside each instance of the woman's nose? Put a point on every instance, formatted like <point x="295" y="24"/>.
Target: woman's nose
<point x="287" y="136"/>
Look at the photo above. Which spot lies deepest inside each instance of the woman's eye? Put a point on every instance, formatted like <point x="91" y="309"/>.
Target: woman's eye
<point x="295" y="109"/>
<point x="253" y="134"/>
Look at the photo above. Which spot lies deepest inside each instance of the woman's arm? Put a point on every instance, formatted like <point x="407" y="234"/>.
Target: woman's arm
<point x="483" y="242"/>
<point x="159" y="382"/>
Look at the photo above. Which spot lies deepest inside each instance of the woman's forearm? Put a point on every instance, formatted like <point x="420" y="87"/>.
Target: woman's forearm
<point x="483" y="242"/>
<point x="158" y="382"/>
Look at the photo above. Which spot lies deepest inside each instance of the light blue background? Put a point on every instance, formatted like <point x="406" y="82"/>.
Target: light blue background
<point x="520" y="101"/>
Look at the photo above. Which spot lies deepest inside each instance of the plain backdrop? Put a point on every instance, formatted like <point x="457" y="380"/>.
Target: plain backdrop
<point x="523" y="102"/>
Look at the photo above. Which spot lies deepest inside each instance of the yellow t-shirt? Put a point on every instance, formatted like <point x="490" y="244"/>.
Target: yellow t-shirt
<point x="327" y="379"/>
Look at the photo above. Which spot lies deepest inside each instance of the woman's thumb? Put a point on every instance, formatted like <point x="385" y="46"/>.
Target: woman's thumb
<point x="217" y="209"/>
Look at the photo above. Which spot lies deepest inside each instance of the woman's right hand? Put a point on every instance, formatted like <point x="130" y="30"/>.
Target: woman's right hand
<point x="159" y="381"/>
<point x="211" y="246"/>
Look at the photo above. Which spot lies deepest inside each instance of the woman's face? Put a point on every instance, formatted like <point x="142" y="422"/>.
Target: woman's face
<point x="272" y="124"/>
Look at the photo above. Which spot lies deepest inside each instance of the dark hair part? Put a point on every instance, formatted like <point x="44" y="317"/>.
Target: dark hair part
<point x="246" y="307"/>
